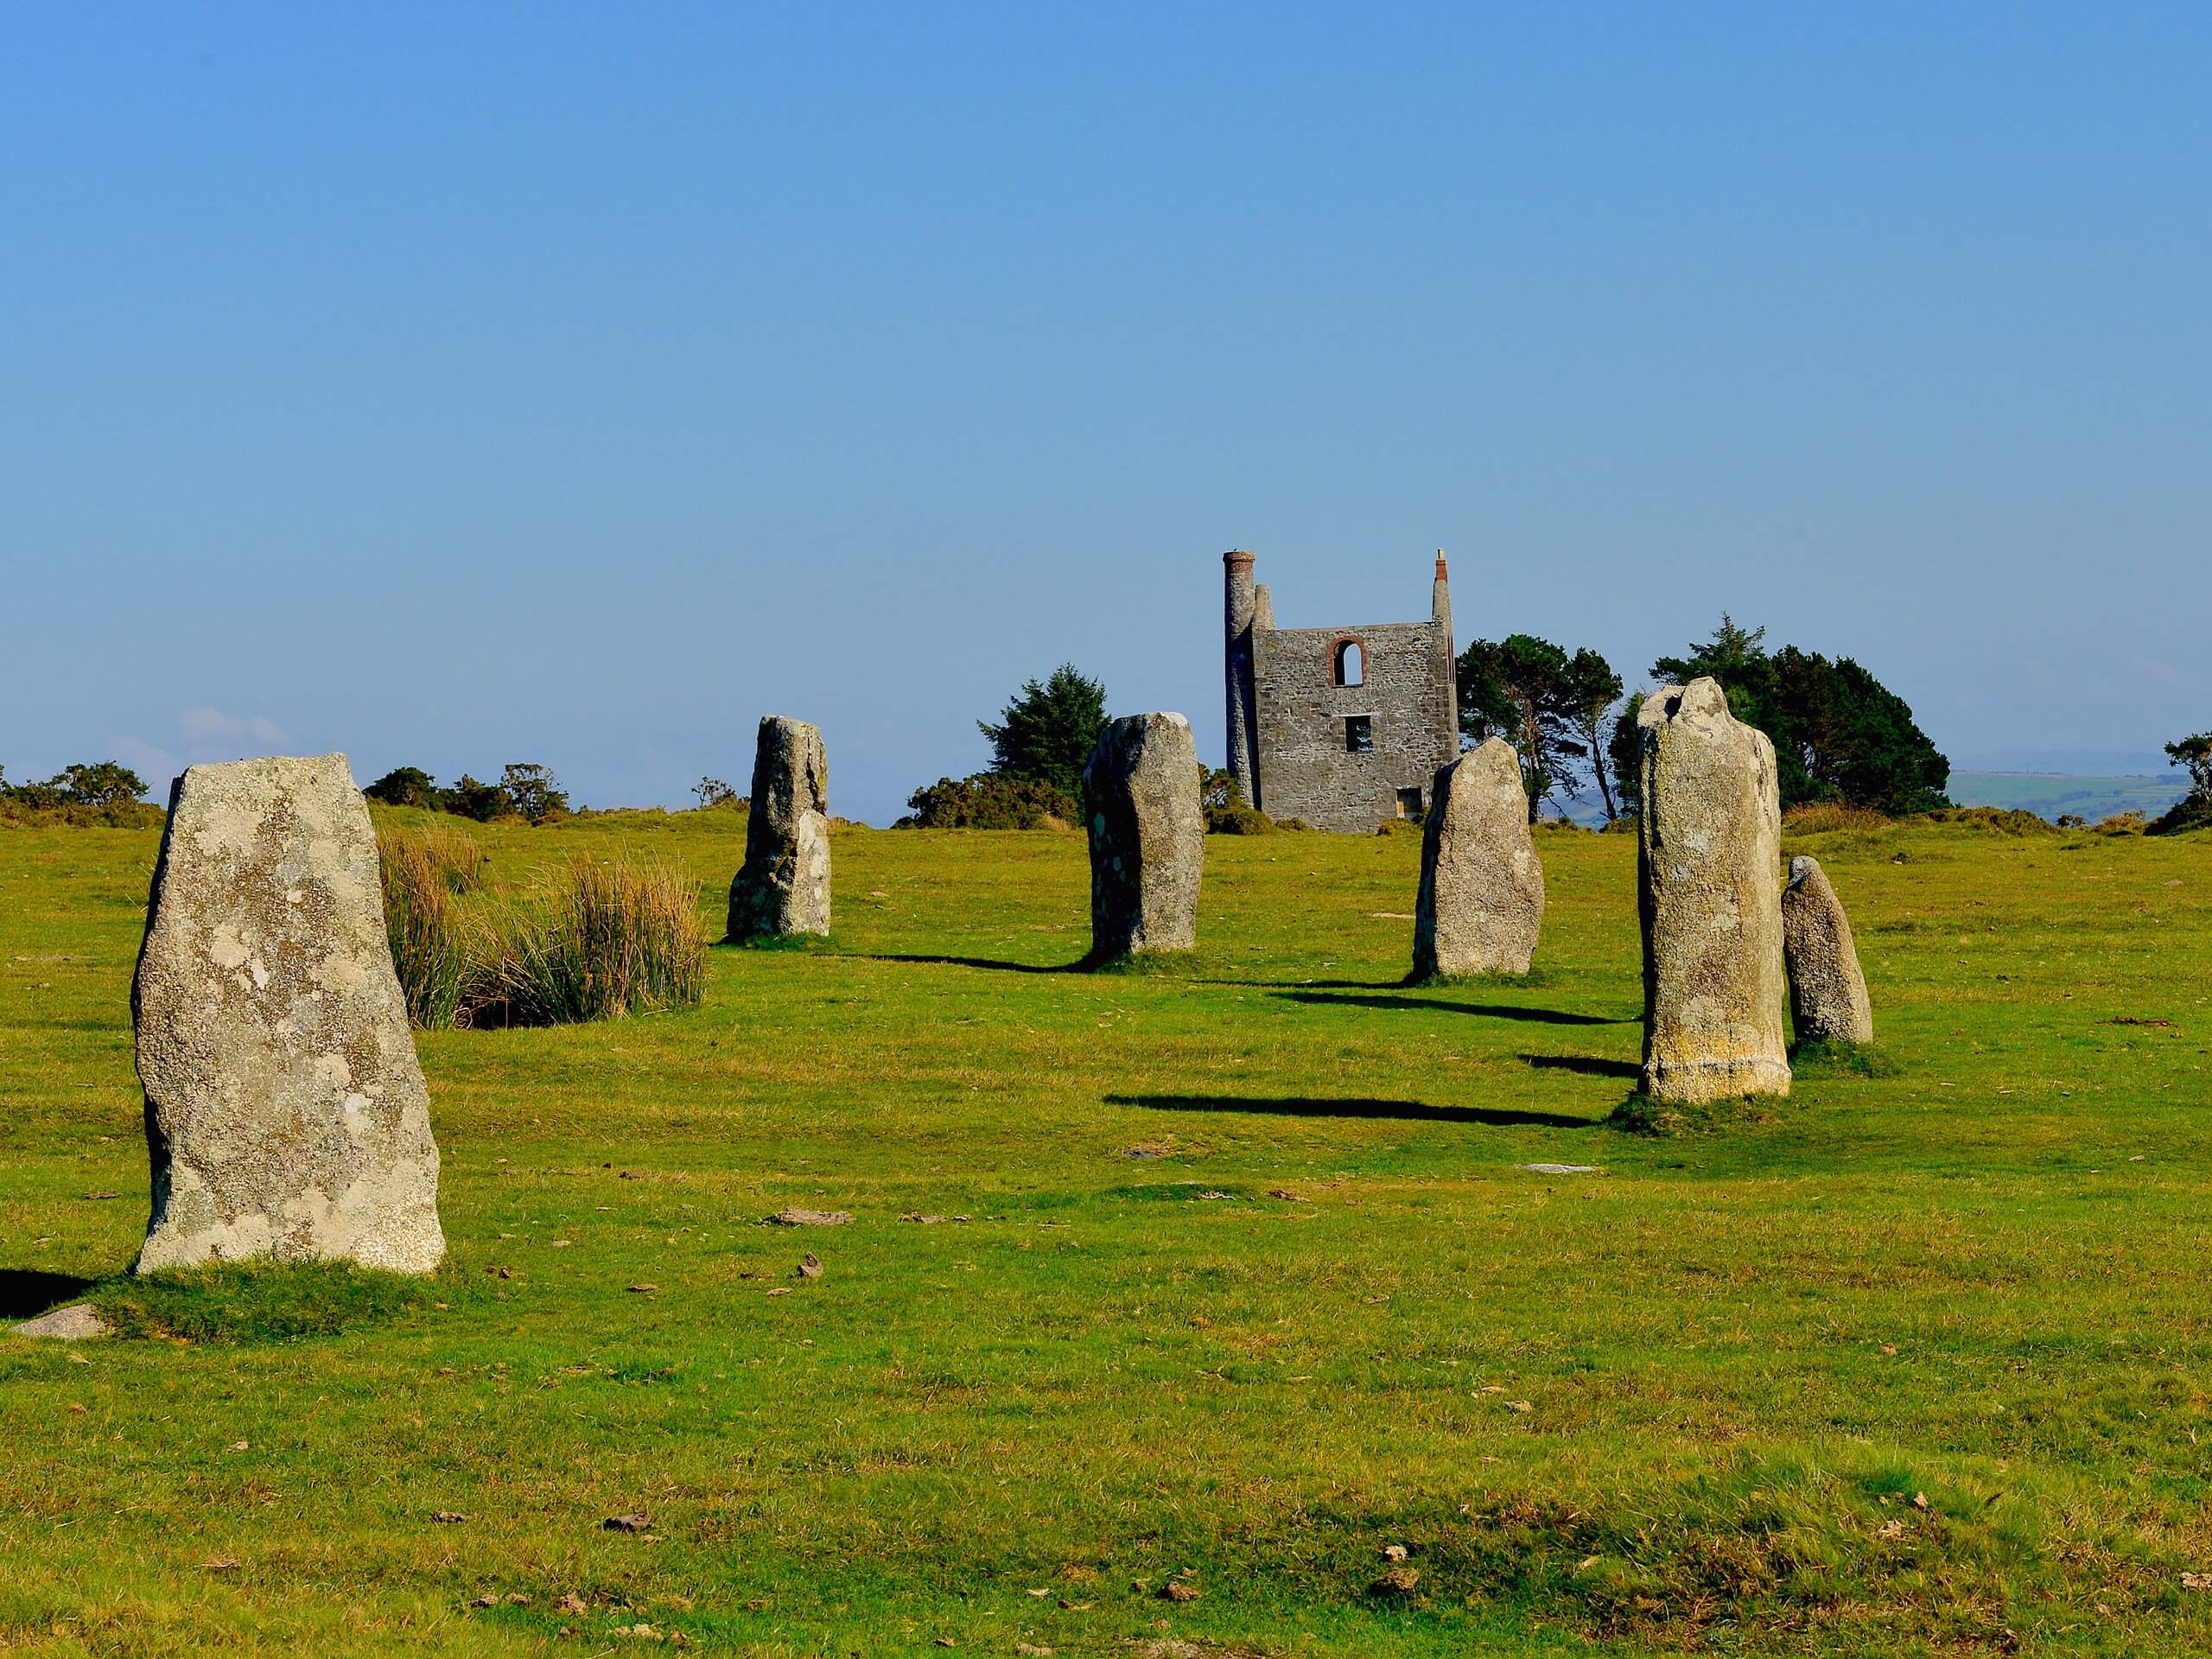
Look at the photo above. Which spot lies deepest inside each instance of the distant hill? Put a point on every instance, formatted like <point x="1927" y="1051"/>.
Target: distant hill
<point x="2052" y="794"/>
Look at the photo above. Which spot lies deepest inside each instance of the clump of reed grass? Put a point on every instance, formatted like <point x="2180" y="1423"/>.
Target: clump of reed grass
<point x="602" y="938"/>
<point x="435" y="944"/>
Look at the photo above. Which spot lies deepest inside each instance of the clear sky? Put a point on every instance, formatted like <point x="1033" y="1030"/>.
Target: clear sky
<point x="459" y="385"/>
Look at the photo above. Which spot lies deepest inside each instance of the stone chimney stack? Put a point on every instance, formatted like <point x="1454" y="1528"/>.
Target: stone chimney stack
<point x="1240" y="602"/>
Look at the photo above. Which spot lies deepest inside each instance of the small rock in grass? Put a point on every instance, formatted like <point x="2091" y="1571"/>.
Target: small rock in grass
<point x="569" y="1603"/>
<point x="449" y="1517"/>
<point x="645" y="1290"/>
<point x="1398" y="1581"/>
<point x="1394" y="1552"/>
<point x="485" y="1601"/>
<point x="1561" y="1169"/>
<point x="626" y="1523"/>
<point x="809" y="1218"/>
<point x="75" y="1323"/>
<point x="811" y="1268"/>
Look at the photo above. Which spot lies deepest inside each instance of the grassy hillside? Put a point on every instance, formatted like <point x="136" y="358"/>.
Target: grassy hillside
<point x="1238" y="1286"/>
<point x="2055" y="795"/>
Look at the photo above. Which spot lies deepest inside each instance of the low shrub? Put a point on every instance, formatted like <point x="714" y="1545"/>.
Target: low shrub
<point x="2192" y="811"/>
<point x="603" y="938"/>
<point x="2122" y="824"/>
<point x="989" y="801"/>
<point x="1237" y="819"/>
<point x="1996" y="820"/>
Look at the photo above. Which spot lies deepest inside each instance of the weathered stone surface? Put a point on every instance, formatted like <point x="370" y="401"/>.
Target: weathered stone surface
<point x="1482" y="886"/>
<point x="784" y="884"/>
<point x="286" y="1114"/>
<point x="75" y="1323"/>
<point x="1708" y="854"/>
<point x="1147" y="836"/>
<point x="1827" y="993"/>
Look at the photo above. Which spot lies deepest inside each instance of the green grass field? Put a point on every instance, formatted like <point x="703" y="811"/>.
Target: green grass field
<point x="1239" y="1287"/>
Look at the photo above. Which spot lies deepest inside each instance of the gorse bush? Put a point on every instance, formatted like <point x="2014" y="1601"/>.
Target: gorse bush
<point x="989" y="801"/>
<point x="604" y="938"/>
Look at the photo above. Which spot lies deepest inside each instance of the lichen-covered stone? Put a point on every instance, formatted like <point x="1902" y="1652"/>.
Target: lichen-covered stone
<point x="782" y="887"/>
<point x="1482" y="886"/>
<point x="286" y="1114"/>
<point x="1827" y="993"/>
<point x="1708" y="867"/>
<point x="1140" y="792"/>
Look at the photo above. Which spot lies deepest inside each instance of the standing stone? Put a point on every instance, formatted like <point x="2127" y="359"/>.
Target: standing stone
<point x="286" y="1114"/>
<point x="1482" y="886"/>
<point x="1709" y="852"/>
<point x="1827" y="993"/>
<point x="784" y="884"/>
<point x="1147" y="836"/>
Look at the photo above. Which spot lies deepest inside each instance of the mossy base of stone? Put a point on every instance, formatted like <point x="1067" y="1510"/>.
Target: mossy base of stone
<point x="1641" y="1114"/>
<point x="1535" y="979"/>
<point x="268" y="1301"/>
<point x="1814" y="1058"/>
<point x="820" y="943"/>
<point x="1154" y="961"/>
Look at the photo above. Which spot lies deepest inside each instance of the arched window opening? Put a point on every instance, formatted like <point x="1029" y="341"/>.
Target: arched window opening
<point x="1351" y="662"/>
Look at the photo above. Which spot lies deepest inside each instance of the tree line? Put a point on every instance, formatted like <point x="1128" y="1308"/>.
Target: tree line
<point x="1839" y="733"/>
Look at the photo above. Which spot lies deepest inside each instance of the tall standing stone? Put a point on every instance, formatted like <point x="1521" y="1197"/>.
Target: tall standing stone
<point x="1827" y="993"/>
<point x="1147" y="828"/>
<point x="784" y="884"/>
<point x="286" y="1112"/>
<point x="1708" y="853"/>
<point x="1482" y="886"/>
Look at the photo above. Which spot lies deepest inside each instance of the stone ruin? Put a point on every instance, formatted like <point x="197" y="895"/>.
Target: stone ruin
<point x="1343" y="728"/>
<point x="1482" y="886"/>
<point x="1147" y="832"/>
<point x="1827" y="993"/>
<point x="1708" y="853"/>
<point x="782" y="887"/>
<point x="286" y="1112"/>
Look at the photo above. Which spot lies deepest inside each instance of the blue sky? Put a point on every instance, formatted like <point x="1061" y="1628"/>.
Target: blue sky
<point x="457" y="385"/>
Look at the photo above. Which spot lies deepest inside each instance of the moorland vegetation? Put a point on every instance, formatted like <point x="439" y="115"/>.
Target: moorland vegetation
<point x="1258" y="1275"/>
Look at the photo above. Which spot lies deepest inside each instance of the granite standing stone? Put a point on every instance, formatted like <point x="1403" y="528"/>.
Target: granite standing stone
<point x="286" y="1114"/>
<point x="1827" y="993"/>
<point x="1147" y="828"/>
<point x="1708" y="856"/>
<point x="1482" y="886"/>
<point x="784" y="884"/>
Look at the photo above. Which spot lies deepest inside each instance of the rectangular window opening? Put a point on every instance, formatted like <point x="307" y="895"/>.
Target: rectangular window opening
<point x="1359" y="734"/>
<point x="1409" y="802"/>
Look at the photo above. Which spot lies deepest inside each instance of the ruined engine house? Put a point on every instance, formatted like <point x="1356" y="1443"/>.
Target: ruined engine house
<point x="1341" y="726"/>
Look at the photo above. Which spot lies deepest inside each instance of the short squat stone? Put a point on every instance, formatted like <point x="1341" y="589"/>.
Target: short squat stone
<point x="1147" y="828"/>
<point x="1709" y="857"/>
<point x="1482" y="886"/>
<point x="784" y="886"/>
<point x="286" y="1114"/>
<point x="1827" y="993"/>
